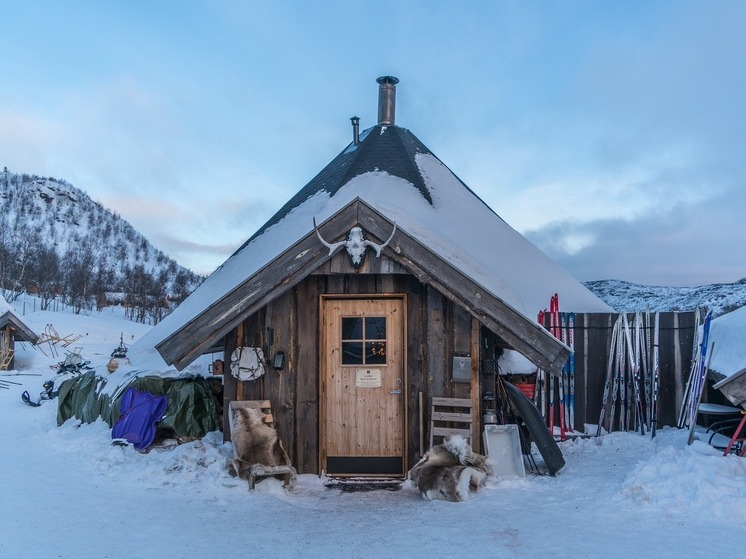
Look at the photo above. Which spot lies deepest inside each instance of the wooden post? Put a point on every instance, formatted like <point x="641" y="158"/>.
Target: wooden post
<point x="239" y="343"/>
<point x="475" y="391"/>
<point x="586" y="380"/>
<point x="677" y="372"/>
<point x="422" y="423"/>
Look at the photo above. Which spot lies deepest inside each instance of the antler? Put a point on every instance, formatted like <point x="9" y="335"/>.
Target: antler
<point x="378" y="248"/>
<point x="331" y="246"/>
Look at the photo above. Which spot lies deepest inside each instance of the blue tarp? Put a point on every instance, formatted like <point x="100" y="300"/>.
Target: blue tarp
<point x="140" y="411"/>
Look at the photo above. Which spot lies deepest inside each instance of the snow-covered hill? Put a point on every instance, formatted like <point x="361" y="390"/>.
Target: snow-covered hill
<point x="54" y="239"/>
<point x="623" y="296"/>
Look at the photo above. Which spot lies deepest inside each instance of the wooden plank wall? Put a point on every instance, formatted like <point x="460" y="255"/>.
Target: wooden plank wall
<point x="592" y="349"/>
<point x="436" y="329"/>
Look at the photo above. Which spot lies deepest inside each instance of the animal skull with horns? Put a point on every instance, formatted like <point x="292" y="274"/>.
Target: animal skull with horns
<point x="355" y="244"/>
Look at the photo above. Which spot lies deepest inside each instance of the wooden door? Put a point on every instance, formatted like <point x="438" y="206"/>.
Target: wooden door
<point x="363" y="386"/>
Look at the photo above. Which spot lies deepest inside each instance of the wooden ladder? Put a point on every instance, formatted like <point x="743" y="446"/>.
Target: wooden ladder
<point x="451" y="416"/>
<point x="6" y="356"/>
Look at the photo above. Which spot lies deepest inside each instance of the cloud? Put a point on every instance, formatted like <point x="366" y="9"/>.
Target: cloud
<point x="199" y="234"/>
<point x="202" y="258"/>
<point x="687" y="246"/>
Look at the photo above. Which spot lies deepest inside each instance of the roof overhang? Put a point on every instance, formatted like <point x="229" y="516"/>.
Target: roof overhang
<point x="22" y="332"/>
<point x="187" y="343"/>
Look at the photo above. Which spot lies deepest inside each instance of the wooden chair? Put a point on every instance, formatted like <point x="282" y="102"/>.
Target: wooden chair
<point x="451" y="416"/>
<point x="259" y="471"/>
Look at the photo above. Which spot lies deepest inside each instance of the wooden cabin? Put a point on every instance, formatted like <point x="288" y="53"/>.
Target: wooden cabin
<point x="406" y="291"/>
<point x="12" y="329"/>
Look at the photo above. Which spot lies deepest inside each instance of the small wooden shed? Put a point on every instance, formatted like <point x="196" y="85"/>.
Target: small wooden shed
<point x="409" y="283"/>
<point x="12" y="329"/>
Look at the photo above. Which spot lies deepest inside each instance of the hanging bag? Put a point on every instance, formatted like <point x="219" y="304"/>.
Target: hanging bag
<point x="247" y="363"/>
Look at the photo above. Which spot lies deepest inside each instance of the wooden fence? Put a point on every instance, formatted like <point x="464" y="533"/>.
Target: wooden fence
<point x="592" y="336"/>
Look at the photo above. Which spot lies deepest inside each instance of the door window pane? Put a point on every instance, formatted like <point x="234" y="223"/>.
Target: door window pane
<point x="375" y="353"/>
<point x="352" y="353"/>
<point x="375" y="327"/>
<point x="364" y="340"/>
<point x="352" y="328"/>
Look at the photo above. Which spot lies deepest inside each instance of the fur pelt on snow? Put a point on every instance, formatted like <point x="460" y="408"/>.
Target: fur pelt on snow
<point x="450" y="471"/>
<point x="255" y="442"/>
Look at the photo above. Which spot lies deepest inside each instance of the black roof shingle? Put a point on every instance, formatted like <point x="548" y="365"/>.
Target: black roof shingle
<point x="387" y="148"/>
<point x="391" y="149"/>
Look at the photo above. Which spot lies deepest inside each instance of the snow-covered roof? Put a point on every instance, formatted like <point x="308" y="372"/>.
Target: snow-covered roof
<point x="4" y="305"/>
<point x="395" y="174"/>
<point x="9" y="316"/>
<point x="729" y="350"/>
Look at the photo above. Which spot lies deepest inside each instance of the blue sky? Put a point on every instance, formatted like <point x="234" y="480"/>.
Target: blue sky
<point x="611" y="134"/>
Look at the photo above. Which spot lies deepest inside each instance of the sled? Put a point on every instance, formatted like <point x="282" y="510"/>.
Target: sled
<point x="502" y="445"/>
<point x="544" y="440"/>
<point x="139" y="412"/>
<point x="49" y="394"/>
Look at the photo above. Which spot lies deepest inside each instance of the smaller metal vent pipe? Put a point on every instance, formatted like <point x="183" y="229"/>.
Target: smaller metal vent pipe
<point x="387" y="100"/>
<point x="355" y="129"/>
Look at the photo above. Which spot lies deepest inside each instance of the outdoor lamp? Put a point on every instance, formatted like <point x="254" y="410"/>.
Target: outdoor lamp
<point x="279" y="361"/>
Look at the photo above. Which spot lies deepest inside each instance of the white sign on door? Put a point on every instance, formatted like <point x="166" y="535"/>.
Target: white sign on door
<point x="368" y="378"/>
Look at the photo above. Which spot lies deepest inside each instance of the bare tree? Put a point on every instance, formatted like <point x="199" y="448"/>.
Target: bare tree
<point x="47" y="275"/>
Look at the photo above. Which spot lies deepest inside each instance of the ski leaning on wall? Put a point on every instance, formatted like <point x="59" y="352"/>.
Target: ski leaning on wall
<point x="630" y="395"/>
<point x="694" y="383"/>
<point x="656" y="370"/>
<point x="697" y="379"/>
<point x="557" y="403"/>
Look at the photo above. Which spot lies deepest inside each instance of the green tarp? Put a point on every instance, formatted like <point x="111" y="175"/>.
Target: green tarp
<point x="191" y="412"/>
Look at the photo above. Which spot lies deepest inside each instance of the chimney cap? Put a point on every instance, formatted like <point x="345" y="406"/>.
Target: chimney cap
<point x="388" y="79"/>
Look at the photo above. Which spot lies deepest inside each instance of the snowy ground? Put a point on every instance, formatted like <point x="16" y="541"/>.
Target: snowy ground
<point x="66" y="492"/>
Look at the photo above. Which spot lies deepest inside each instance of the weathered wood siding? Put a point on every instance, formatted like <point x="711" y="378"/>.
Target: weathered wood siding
<point x="437" y="329"/>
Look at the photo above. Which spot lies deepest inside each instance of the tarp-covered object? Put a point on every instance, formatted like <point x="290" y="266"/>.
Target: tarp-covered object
<point x="140" y="413"/>
<point x="191" y="411"/>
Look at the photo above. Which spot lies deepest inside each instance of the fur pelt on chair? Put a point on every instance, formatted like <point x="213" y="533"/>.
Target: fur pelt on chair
<point x="255" y="442"/>
<point x="450" y="471"/>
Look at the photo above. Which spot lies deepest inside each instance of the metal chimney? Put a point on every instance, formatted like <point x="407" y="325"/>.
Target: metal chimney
<point x="355" y="129"/>
<point x="387" y="99"/>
